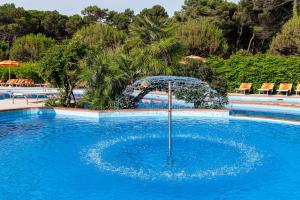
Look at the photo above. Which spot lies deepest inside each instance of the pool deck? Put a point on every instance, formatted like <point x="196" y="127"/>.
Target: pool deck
<point x="7" y="104"/>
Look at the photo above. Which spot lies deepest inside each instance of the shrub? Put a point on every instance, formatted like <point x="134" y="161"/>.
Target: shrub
<point x="257" y="69"/>
<point x="202" y="38"/>
<point x="27" y="70"/>
<point x="287" y="42"/>
<point x="30" y="47"/>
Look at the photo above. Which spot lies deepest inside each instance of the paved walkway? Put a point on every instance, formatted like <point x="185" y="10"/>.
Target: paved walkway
<point x="7" y="104"/>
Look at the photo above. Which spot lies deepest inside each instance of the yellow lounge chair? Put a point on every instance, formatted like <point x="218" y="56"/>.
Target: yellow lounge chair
<point x="298" y="89"/>
<point x="285" y="87"/>
<point x="244" y="87"/>
<point x="267" y="87"/>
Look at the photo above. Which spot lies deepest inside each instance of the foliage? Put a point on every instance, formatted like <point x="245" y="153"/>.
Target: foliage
<point x="119" y="20"/>
<point x="106" y="76"/>
<point x="287" y="42"/>
<point x="218" y="12"/>
<point x="16" y="22"/>
<point x="4" y="53"/>
<point x="73" y="24"/>
<point x="27" y="70"/>
<point x="257" y="69"/>
<point x="203" y="72"/>
<point x="262" y="19"/>
<point x="30" y="48"/>
<point x="13" y="22"/>
<point x="61" y="67"/>
<point x="153" y="45"/>
<point x="155" y="14"/>
<point x="296" y="8"/>
<point x="99" y="37"/>
<point x="93" y="14"/>
<point x="202" y="38"/>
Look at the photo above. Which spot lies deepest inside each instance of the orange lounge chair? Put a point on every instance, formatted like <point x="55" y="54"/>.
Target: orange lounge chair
<point x="267" y="87"/>
<point x="298" y="89"/>
<point x="2" y="83"/>
<point x="285" y="87"/>
<point x="244" y="87"/>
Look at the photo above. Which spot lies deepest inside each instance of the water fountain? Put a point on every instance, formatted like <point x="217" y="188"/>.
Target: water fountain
<point x="191" y="90"/>
<point x="186" y="88"/>
<point x="140" y="154"/>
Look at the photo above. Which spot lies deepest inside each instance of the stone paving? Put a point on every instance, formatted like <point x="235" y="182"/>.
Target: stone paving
<point x="7" y="104"/>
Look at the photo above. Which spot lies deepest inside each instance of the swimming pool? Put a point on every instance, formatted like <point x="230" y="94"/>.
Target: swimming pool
<point x="57" y="154"/>
<point x="262" y="98"/>
<point x="34" y="93"/>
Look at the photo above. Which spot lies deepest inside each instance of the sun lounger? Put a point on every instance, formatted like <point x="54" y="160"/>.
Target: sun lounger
<point x="244" y="87"/>
<point x="267" y="87"/>
<point x="2" y="83"/>
<point x="297" y="89"/>
<point x="285" y="87"/>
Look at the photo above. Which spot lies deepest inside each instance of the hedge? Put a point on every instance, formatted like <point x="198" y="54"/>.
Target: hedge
<point x="257" y="69"/>
<point x="27" y="70"/>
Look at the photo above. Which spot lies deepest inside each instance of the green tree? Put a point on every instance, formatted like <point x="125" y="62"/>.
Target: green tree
<point x="4" y="50"/>
<point x="30" y="47"/>
<point x="61" y="66"/>
<point x="287" y="42"/>
<point x="202" y="38"/>
<point x="13" y="22"/>
<point x="106" y="76"/>
<point x="258" y="21"/>
<point x="155" y="14"/>
<point x="54" y="25"/>
<point x="93" y="14"/>
<point x="203" y="72"/>
<point x="73" y="24"/>
<point x="100" y="36"/>
<point x="153" y="45"/>
<point x="120" y="20"/>
<point x="219" y="12"/>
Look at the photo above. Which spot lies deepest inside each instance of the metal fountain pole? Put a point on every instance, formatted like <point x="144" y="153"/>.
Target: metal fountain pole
<point x="170" y="119"/>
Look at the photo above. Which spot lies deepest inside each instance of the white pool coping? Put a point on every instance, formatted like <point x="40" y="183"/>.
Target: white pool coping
<point x="98" y="115"/>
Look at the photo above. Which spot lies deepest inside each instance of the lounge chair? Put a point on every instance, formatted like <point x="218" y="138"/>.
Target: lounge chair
<point x="297" y="89"/>
<point x="2" y="82"/>
<point x="285" y="87"/>
<point x="244" y="87"/>
<point x="266" y="87"/>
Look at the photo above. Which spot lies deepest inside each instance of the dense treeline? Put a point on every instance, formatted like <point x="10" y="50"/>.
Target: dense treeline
<point x="105" y="50"/>
<point x="248" y="25"/>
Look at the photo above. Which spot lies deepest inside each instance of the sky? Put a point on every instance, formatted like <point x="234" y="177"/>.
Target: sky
<point x="70" y="7"/>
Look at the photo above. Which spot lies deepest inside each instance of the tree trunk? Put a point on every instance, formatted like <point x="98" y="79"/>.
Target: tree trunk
<point x="73" y="97"/>
<point x="250" y="42"/>
<point x="240" y="31"/>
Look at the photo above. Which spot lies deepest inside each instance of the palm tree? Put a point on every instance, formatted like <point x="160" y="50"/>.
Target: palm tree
<point x="153" y="45"/>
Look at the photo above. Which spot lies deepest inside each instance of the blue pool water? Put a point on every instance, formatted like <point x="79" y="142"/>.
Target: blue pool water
<point x="34" y="93"/>
<point x="54" y="156"/>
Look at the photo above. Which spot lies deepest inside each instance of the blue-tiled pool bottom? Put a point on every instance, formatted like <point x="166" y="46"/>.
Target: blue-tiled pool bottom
<point x="45" y="158"/>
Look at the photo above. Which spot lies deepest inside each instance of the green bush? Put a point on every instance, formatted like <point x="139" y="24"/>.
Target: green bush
<point x="30" y="48"/>
<point x="257" y="69"/>
<point x="27" y="70"/>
